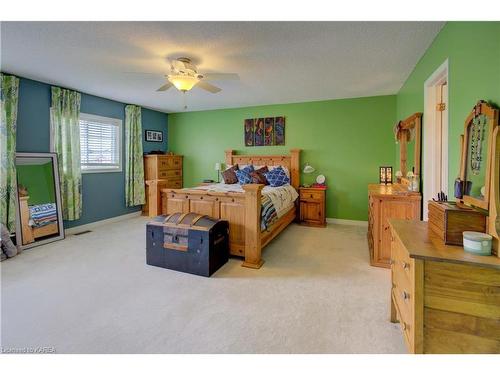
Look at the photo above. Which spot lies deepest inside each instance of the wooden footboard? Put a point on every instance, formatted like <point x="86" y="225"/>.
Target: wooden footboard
<point x="242" y="211"/>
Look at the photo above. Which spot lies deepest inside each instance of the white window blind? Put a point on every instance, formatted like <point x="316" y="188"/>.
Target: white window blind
<point x="100" y="143"/>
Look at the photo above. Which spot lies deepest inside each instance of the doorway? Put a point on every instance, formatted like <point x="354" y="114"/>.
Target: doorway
<point x="435" y="136"/>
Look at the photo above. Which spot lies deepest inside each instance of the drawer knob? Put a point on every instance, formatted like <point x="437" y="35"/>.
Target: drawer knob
<point x="405" y="265"/>
<point x="405" y="326"/>
<point x="405" y="295"/>
<point x="311" y="195"/>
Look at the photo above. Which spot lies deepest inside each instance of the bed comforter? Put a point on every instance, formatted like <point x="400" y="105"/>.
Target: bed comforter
<point x="42" y="214"/>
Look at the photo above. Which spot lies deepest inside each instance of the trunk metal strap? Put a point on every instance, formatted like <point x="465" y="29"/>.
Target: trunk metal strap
<point x="181" y="217"/>
<point x="196" y="219"/>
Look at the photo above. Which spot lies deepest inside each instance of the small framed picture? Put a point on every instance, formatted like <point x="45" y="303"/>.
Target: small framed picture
<point x="154" y="136"/>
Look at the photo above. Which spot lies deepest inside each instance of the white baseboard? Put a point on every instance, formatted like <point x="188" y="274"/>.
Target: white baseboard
<point x="90" y="226"/>
<point x="359" y="223"/>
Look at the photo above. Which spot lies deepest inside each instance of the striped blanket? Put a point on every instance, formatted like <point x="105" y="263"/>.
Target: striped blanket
<point x="268" y="214"/>
<point x="43" y="214"/>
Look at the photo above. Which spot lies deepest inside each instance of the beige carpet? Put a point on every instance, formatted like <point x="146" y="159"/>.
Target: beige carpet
<point x="93" y="293"/>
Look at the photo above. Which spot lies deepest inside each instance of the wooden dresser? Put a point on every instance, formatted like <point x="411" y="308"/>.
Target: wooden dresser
<point x="160" y="172"/>
<point x="388" y="202"/>
<point x="312" y="206"/>
<point x="446" y="300"/>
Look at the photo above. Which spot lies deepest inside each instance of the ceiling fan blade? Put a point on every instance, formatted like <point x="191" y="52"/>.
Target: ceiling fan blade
<point x="144" y="73"/>
<point x="207" y="86"/>
<point x="220" y="76"/>
<point x="165" y="87"/>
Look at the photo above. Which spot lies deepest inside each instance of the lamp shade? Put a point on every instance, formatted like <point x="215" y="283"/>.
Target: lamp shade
<point x="183" y="82"/>
<point x="308" y="168"/>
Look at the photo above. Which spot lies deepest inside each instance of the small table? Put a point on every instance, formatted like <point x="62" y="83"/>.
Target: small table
<point x="312" y="206"/>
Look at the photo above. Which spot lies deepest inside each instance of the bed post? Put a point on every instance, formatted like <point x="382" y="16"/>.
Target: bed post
<point x="229" y="157"/>
<point x="253" y="244"/>
<point x="295" y="167"/>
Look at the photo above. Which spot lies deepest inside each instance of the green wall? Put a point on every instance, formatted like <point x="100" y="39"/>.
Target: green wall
<point x="346" y="140"/>
<point x="39" y="181"/>
<point x="473" y="53"/>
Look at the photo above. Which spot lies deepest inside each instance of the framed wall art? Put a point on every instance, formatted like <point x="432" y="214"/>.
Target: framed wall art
<point x="264" y="131"/>
<point x="154" y="136"/>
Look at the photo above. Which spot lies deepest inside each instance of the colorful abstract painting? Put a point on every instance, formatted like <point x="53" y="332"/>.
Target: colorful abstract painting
<point x="259" y="132"/>
<point x="269" y="131"/>
<point x="249" y="132"/>
<point x="279" y="131"/>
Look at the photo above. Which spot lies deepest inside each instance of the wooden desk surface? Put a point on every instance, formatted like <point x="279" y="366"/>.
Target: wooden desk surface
<point x="423" y="244"/>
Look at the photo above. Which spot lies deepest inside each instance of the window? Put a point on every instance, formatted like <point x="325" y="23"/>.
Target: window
<point x="100" y="143"/>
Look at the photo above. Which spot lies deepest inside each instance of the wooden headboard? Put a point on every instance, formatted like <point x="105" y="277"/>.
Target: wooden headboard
<point x="291" y="162"/>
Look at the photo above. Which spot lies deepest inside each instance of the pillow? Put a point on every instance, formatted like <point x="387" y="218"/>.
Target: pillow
<point x="258" y="176"/>
<point x="277" y="177"/>
<point x="243" y="175"/>
<point x="229" y="175"/>
<point x="287" y="172"/>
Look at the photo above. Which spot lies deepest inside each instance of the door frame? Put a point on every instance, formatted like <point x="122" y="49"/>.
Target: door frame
<point x="430" y="144"/>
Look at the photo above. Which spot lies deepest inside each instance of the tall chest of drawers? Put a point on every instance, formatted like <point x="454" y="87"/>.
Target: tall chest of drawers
<point x="387" y="202"/>
<point x="445" y="300"/>
<point x="160" y="172"/>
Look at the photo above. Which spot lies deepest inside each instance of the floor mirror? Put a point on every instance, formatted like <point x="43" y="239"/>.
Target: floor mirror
<point x="39" y="210"/>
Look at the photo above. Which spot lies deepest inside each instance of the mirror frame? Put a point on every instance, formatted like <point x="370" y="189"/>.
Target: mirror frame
<point x="412" y="122"/>
<point x="494" y="214"/>
<point x="492" y="115"/>
<point x="60" y="222"/>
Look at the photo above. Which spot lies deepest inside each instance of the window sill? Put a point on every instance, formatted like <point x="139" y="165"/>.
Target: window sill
<point x="85" y="171"/>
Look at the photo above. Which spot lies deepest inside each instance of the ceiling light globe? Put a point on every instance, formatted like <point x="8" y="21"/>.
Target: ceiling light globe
<point x="182" y="82"/>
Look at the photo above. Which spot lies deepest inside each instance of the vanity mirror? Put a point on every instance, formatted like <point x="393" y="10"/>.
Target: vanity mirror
<point x="408" y="136"/>
<point x="39" y="210"/>
<point x="476" y="160"/>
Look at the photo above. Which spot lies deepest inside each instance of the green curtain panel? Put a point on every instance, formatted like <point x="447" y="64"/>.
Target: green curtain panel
<point x="9" y="97"/>
<point x="65" y="127"/>
<point x="134" y="167"/>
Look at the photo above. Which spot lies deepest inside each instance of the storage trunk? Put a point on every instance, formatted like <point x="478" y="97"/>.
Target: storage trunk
<point x="449" y="221"/>
<point x="190" y="243"/>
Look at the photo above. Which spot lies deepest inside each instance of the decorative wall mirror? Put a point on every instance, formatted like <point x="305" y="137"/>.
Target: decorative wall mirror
<point x="476" y="160"/>
<point x="408" y="135"/>
<point x="39" y="210"/>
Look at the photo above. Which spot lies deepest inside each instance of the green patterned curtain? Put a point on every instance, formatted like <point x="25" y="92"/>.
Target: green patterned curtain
<point x="64" y="121"/>
<point x="134" y="167"/>
<point x="9" y="97"/>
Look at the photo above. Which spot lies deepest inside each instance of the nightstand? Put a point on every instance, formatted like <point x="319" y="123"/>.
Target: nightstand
<point x="312" y="206"/>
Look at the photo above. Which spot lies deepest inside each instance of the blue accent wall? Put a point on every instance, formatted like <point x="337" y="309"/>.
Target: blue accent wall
<point x="103" y="193"/>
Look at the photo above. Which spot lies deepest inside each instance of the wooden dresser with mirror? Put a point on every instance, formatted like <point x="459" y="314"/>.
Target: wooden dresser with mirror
<point x="395" y="201"/>
<point x="446" y="299"/>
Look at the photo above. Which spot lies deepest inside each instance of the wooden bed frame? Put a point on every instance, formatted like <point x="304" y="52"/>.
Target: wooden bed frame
<point x="30" y="233"/>
<point x="241" y="210"/>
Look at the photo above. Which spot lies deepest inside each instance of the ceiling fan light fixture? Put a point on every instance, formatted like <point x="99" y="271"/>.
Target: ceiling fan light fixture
<point x="183" y="82"/>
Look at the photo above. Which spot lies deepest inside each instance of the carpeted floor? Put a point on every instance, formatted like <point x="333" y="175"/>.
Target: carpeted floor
<point x="93" y="293"/>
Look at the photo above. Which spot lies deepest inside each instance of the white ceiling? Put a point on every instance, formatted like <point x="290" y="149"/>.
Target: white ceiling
<point x="278" y="62"/>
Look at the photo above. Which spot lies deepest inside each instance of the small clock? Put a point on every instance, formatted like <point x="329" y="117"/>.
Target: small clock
<point x="320" y="179"/>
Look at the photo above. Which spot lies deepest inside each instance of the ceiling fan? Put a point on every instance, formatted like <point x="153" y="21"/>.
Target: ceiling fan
<point x="184" y="76"/>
